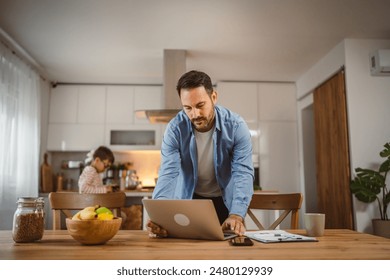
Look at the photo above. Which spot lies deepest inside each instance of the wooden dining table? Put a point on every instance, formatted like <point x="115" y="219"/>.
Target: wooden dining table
<point x="336" y="244"/>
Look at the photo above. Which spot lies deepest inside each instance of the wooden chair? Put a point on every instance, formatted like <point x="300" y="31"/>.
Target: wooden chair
<point x="289" y="203"/>
<point x="65" y="202"/>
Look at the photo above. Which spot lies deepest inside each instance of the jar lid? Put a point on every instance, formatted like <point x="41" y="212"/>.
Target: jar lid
<point x="30" y="200"/>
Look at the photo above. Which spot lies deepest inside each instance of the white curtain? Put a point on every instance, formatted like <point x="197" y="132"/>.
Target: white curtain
<point x="19" y="133"/>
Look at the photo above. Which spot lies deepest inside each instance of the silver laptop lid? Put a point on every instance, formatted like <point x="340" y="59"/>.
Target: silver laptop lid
<point x="186" y="218"/>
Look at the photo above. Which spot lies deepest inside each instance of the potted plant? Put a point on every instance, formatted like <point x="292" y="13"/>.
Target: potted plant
<point x="370" y="185"/>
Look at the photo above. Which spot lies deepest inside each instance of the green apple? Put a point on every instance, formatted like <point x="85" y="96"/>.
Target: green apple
<point x="101" y="210"/>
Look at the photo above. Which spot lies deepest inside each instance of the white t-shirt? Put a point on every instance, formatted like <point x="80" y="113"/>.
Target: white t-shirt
<point x="207" y="185"/>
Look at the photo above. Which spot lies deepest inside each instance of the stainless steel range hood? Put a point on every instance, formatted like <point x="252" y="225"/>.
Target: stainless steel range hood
<point x="174" y="67"/>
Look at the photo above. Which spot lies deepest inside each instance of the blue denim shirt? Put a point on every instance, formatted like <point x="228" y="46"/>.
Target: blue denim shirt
<point x="232" y="160"/>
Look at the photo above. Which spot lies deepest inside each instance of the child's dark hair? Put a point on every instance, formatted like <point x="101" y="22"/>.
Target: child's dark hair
<point x="104" y="153"/>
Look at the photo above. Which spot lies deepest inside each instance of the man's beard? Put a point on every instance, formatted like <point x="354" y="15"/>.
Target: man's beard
<point x="205" y="123"/>
<point x="200" y="123"/>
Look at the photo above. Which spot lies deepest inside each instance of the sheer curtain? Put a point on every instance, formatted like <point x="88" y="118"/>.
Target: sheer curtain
<point x="19" y="133"/>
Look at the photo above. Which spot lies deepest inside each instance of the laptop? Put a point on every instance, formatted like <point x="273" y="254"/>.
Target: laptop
<point x="186" y="218"/>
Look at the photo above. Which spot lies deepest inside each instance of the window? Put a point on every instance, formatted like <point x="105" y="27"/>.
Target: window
<point x="19" y="133"/>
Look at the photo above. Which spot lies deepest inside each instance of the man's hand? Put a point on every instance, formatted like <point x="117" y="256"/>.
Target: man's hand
<point x="234" y="223"/>
<point x="155" y="230"/>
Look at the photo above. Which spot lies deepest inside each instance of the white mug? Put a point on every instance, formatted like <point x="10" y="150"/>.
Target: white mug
<point x="315" y="224"/>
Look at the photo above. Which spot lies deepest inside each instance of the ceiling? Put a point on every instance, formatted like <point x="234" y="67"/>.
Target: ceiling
<point x="122" y="41"/>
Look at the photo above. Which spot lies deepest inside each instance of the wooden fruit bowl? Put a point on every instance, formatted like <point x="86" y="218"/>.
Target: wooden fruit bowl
<point x="93" y="232"/>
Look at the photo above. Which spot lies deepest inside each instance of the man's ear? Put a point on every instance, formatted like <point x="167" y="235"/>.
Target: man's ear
<point x="214" y="97"/>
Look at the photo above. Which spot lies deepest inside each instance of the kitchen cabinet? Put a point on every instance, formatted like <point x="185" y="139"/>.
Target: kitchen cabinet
<point x="242" y="98"/>
<point x="123" y="101"/>
<point x="278" y="139"/>
<point x="76" y="118"/>
<point x="147" y="98"/>
<point x="63" y="104"/>
<point x="239" y="97"/>
<point x="120" y="137"/>
<point x="77" y="104"/>
<point x="120" y="105"/>
<point x="83" y="117"/>
<point x="278" y="156"/>
<point x="91" y="104"/>
<point x="123" y="130"/>
<point x="277" y="102"/>
<point x="270" y="110"/>
<point x="75" y="137"/>
<point x="259" y="101"/>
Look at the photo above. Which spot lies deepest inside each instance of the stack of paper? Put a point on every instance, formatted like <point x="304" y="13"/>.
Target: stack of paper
<point x="272" y="236"/>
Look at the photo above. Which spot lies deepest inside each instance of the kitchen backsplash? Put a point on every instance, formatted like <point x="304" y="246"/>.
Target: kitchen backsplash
<point x="146" y="164"/>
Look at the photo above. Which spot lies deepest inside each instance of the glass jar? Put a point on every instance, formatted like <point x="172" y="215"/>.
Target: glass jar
<point x="29" y="220"/>
<point x="131" y="180"/>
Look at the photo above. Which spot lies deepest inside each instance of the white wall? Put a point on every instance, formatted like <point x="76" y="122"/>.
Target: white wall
<point x="368" y="100"/>
<point x="368" y="104"/>
<point x="321" y="71"/>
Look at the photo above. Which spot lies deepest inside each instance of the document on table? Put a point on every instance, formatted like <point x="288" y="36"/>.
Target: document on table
<point x="273" y="236"/>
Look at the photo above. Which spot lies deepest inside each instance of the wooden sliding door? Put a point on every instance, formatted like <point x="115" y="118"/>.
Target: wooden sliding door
<point x="332" y="153"/>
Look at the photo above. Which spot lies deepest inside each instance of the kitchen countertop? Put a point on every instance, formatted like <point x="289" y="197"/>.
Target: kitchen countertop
<point x="139" y="193"/>
<point x="130" y="193"/>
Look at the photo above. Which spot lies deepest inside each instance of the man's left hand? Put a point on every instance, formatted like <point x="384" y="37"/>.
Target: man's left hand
<point x="234" y="223"/>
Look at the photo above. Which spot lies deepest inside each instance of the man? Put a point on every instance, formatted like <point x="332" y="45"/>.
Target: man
<point x="206" y="153"/>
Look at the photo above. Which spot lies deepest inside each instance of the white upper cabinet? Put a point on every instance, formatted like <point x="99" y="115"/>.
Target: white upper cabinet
<point x="76" y="119"/>
<point x="74" y="137"/>
<point x="83" y="117"/>
<point x="123" y="101"/>
<point x="239" y="97"/>
<point x="91" y="104"/>
<point x="64" y="104"/>
<point x="147" y="97"/>
<point x="133" y="137"/>
<point x="124" y="131"/>
<point x="77" y="104"/>
<point x="270" y="112"/>
<point x="120" y="105"/>
<point x="277" y="102"/>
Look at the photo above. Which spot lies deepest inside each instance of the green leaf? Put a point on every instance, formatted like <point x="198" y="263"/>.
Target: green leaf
<point x="362" y="191"/>
<point x="371" y="179"/>
<point x="370" y="185"/>
<point x="386" y="151"/>
<point x="385" y="166"/>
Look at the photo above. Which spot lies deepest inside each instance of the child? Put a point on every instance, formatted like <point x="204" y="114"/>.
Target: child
<point x="90" y="180"/>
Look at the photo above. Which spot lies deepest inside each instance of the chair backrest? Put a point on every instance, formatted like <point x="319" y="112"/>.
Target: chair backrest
<point x="287" y="202"/>
<point x="65" y="202"/>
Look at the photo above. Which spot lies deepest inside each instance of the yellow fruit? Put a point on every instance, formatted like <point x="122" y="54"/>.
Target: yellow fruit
<point x="105" y="216"/>
<point x="91" y="208"/>
<point x="76" y="216"/>
<point x="87" y="215"/>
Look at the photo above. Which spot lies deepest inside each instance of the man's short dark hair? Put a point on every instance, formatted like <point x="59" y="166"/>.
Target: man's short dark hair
<point x="194" y="79"/>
